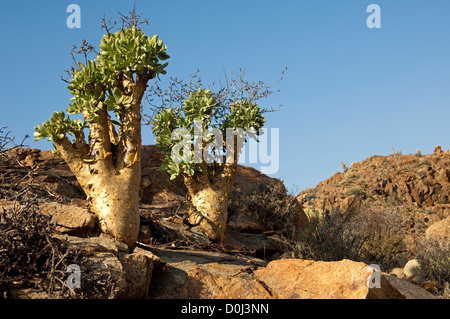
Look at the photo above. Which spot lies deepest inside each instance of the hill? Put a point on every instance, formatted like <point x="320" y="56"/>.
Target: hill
<point x="403" y="195"/>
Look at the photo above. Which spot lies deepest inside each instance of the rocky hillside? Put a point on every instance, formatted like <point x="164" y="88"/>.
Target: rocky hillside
<point x="413" y="189"/>
<point x="44" y="219"/>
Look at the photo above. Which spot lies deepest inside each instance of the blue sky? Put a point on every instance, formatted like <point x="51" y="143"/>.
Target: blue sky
<point x="350" y="92"/>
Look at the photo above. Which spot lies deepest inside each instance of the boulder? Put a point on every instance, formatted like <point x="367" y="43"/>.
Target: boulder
<point x="157" y="187"/>
<point x="307" y="279"/>
<point x="206" y="275"/>
<point x="412" y="271"/>
<point x="138" y="274"/>
<point x="300" y="220"/>
<point x="440" y="232"/>
<point x="211" y="275"/>
<point x="72" y="220"/>
<point x="408" y="289"/>
<point x="351" y="204"/>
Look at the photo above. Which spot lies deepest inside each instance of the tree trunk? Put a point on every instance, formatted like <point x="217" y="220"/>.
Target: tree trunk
<point x="210" y="199"/>
<point x="212" y="204"/>
<point x="112" y="193"/>
<point x="108" y="167"/>
<point x="115" y="201"/>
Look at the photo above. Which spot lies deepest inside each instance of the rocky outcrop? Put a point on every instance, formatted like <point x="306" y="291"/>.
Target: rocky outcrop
<point x="212" y="275"/>
<point x="174" y="261"/>
<point x="416" y="188"/>
<point x="421" y="180"/>
<point x="206" y="275"/>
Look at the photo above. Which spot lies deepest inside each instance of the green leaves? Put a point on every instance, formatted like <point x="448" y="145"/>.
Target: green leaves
<point x="57" y="126"/>
<point x="202" y="124"/>
<point x="244" y="115"/>
<point x="131" y="51"/>
<point x="200" y="105"/>
<point x="101" y="81"/>
<point x="105" y="84"/>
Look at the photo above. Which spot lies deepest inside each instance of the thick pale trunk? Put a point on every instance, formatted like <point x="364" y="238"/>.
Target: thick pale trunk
<point x="212" y="204"/>
<point x="115" y="201"/>
<point x="210" y="199"/>
<point x="108" y="167"/>
<point x="112" y="194"/>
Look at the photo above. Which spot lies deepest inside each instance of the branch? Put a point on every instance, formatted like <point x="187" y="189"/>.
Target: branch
<point x="72" y="155"/>
<point x="130" y="139"/>
<point x="99" y="139"/>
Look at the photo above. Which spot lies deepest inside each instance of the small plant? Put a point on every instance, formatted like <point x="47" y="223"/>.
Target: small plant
<point x="419" y="153"/>
<point x="328" y="238"/>
<point x="356" y="191"/>
<point x="350" y="178"/>
<point x="344" y="167"/>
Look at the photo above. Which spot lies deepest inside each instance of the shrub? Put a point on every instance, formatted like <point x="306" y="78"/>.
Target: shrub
<point x="356" y="191"/>
<point x="328" y="238"/>
<point x="268" y="202"/>
<point x="350" y="178"/>
<point x="434" y="260"/>
<point x="368" y="236"/>
<point x="31" y="258"/>
<point x="344" y="167"/>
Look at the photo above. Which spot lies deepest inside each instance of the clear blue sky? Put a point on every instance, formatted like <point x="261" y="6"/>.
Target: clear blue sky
<point x="350" y="92"/>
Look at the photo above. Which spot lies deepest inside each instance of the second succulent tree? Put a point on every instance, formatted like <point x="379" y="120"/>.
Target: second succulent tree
<point x="202" y="141"/>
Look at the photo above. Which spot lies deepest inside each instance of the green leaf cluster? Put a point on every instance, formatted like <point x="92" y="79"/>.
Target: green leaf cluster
<point x="201" y="107"/>
<point x="57" y="126"/>
<point x="245" y="115"/>
<point x="131" y="51"/>
<point x="103" y="84"/>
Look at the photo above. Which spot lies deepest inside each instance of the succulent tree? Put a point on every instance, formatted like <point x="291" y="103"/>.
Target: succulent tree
<point x="107" y="93"/>
<point x="202" y="140"/>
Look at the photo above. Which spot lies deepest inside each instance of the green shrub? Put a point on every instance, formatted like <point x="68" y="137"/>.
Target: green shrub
<point x="356" y="191"/>
<point x="350" y="178"/>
